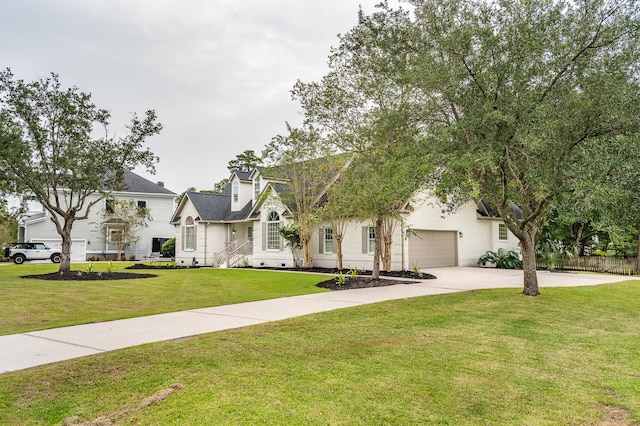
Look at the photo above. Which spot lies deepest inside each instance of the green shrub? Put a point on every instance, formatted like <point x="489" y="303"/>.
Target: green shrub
<point x="169" y="247"/>
<point x="341" y="279"/>
<point x="502" y="259"/>
<point x="416" y="271"/>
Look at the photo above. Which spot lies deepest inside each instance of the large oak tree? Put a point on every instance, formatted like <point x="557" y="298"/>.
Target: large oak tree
<point x="517" y="90"/>
<point x="56" y="145"/>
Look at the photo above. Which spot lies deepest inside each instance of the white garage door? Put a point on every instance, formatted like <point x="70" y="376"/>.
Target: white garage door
<point x="433" y="249"/>
<point x="78" y="247"/>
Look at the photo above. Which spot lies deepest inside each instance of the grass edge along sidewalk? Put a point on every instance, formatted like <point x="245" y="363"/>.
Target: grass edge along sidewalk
<point x="482" y="357"/>
<point x="32" y="304"/>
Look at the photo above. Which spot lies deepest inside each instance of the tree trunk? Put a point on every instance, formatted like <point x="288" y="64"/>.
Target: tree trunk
<point x="304" y="240"/>
<point x="386" y="257"/>
<point x="577" y="249"/>
<point x="388" y="226"/>
<point x="375" y="273"/>
<point x="528" y="246"/>
<point x="65" y="254"/>
<point x="339" y="251"/>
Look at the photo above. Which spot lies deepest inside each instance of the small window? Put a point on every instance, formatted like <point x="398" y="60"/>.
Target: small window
<point x="236" y="188"/>
<point x="273" y="231"/>
<point x="256" y="189"/>
<point x="372" y="239"/>
<point x="190" y="234"/>
<point x="328" y="240"/>
<point x="115" y="235"/>
<point x="502" y="232"/>
<point x="250" y="233"/>
<point x="108" y="205"/>
<point x="142" y="204"/>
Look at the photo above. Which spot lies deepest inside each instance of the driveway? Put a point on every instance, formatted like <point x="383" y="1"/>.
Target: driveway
<point x="30" y="349"/>
<point x="474" y="278"/>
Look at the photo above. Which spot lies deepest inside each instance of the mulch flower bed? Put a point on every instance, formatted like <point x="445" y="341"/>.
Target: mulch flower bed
<point x="89" y="276"/>
<point x="360" y="282"/>
<point x="362" y="279"/>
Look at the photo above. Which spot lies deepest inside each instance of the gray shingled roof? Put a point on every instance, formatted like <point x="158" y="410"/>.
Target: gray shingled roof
<point x="487" y="209"/>
<point x="217" y="207"/>
<point x="242" y="175"/>
<point x="137" y="183"/>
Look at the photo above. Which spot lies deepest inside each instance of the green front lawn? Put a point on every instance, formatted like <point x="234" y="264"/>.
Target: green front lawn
<point x="32" y="304"/>
<point x="493" y="357"/>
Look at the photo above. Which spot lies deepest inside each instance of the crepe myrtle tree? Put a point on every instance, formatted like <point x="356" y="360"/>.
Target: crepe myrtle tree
<point x="367" y="109"/>
<point x="307" y="167"/>
<point x="120" y="222"/>
<point x="55" y="145"/>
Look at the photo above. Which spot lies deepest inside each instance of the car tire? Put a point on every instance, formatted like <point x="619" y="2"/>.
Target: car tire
<point x="56" y="258"/>
<point x="19" y="259"/>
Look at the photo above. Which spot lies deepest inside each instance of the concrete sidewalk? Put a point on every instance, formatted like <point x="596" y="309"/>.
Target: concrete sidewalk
<point x="25" y="350"/>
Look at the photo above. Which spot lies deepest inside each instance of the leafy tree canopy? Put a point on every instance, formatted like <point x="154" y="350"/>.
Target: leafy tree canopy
<point x="245" y="161"/>
<point x="309" y="167"/>
<point x="366" y="108"/>
<point x="518" y="92"/>
<point x="509" y="97"/>
<point x="121" y="221"/>
<point x="55" y="144"/>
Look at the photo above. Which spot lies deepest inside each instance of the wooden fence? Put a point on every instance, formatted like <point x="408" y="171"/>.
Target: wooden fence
<point x="611" y="265"/>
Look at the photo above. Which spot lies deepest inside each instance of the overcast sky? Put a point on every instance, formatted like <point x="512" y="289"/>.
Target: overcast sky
<point x="217" y="72"/>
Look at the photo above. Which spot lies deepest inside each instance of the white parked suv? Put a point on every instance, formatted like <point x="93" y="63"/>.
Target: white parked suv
<point x="20" y="252"/>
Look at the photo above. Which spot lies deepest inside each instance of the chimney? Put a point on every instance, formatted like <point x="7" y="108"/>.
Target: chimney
<point x="161" y="184"/>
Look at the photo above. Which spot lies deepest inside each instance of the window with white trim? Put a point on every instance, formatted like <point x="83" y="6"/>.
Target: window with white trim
<point x="328" y="240"/>
<point x="256" y="189"/>
<point x="236" y="191"/>
<point x="273" y="231"/>
<point x="502" y="232"/>
<point x="189" y="234"/>
<point x="372" y="239"/>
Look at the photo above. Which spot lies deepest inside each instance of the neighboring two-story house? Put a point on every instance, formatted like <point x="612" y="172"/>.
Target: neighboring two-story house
<point x="91" y="241"/>
<point x="241" y="226"/>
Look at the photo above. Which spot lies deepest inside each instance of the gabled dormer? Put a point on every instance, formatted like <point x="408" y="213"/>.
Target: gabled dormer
<point x="241" y="187"/>
<point x="260" y="181"/>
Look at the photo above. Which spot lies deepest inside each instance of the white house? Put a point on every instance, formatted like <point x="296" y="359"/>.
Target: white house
<point x="208" y="225"/>
<point x="241" y="226"/>
<point x="89" y="242"/>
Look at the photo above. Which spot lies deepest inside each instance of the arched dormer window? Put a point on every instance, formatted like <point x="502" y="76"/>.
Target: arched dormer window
<point x="273" y="234"/>
<point x="189" y="234"/>
<point x="236" y="189"/>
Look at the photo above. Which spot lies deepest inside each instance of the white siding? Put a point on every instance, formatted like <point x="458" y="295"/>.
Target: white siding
<point x="352" y="253"/>
<point x="245" y="193"/>
<point x="261" y="256"/>
<point x="475" y="235"/>
<point x="161" y="208"/>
